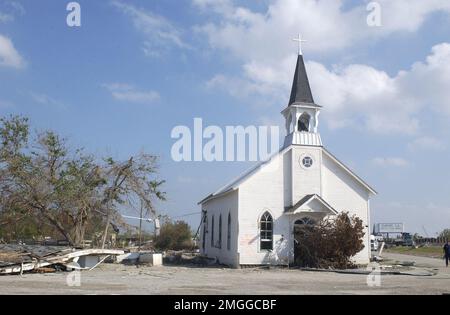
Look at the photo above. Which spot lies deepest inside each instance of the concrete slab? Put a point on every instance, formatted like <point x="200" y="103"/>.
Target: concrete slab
<point x="151" y="259"/>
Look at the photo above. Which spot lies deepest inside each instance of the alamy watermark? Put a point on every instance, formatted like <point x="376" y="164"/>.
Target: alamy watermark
<point x="374" y="278"/>
<point x="374" y="17"/>
<point x="73" y="279"/>
<point x="74" y="17"/>
<point x="233" y="143"/>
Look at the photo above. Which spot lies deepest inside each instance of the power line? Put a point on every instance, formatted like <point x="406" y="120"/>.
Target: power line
<point x="186" y="215"/>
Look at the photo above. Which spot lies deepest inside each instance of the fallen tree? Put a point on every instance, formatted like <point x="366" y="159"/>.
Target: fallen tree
<point x="330" y="243"/>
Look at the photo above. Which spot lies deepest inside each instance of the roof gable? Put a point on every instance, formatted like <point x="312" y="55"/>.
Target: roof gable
<point x="306" y="204"/>
<point x="350" y="172"/>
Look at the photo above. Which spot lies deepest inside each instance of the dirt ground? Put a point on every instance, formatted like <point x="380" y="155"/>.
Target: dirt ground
<point x="120" y="279"/>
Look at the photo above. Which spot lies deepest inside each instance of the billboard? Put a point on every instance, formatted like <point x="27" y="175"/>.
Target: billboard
<point x="389" y="228"/>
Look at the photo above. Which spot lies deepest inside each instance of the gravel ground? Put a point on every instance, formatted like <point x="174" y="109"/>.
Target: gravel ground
<point x="119" y="279"/>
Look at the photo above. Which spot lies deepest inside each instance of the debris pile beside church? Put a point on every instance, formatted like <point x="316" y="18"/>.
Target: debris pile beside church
<point x="19" y="259"/>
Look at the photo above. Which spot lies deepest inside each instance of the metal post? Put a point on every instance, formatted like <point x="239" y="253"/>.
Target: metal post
<point x="140" y="229"/>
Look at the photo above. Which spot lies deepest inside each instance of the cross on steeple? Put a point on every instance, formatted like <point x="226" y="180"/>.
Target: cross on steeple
<point x="300" y="41"/>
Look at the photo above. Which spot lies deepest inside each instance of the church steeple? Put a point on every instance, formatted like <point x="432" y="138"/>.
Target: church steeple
<point x="301" y="91"/>
<point x="302" y="114"/>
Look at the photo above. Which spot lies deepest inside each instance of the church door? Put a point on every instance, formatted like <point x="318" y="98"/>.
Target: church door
<point x="299" y="229"/>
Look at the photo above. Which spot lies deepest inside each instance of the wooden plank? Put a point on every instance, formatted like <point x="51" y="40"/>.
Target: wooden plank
<point x="58" y="260"/>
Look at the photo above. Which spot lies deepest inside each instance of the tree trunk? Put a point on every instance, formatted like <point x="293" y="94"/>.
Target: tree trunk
<point x="58" y="226"/>
<point x="80" y="228"/>
<point x="105" y="233"/>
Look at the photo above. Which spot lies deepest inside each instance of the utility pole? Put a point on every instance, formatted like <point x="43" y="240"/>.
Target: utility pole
<point x="155" y="221"/>
<point x="140" y="228"/>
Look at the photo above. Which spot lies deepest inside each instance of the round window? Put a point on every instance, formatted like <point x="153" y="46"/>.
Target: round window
<point x="307" y="161"/>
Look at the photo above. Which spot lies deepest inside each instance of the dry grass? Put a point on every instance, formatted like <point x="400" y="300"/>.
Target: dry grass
<point x="430" y="251"/>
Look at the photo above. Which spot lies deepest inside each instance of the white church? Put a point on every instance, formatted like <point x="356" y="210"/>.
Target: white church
<point x="251" y="221"/>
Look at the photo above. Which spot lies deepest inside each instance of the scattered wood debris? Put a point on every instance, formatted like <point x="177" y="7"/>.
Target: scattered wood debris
<point x="45" y="270"/>
<point x="17" y="259"/>
<point x="188" y="258"/>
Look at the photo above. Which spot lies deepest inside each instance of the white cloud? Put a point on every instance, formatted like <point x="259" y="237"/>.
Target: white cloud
<point x="385" y="104"/>
<point x="128" y="93"/>
<point x="356" y="96"/>
<point x="9" y="10"/>
<point x="269" y="81"/>
<point x="245" y="33"/>
<point x="44" y="99"/>
<point x="329" y="24"/>
<point x="359" y="95"/>
<point x="4" y="17"/>
<point x="427" y="144"/>
<point x="9" y="56"/>
<point x="390" y="162"/>
<point x="17" y="7"/>
<point x="409" y="15"/>
<point x="244" y="88"/>
<point x="160" y="34"/>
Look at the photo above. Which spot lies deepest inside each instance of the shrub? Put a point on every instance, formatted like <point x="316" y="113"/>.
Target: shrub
<point x="329" y="244"/>
<point x="175" y="236"/>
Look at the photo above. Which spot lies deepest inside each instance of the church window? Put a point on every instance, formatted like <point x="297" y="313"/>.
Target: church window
<point x="205" y="227"/>
<point x="307" y="161"/>
<point x="303" y="123"/>
<point x="229" y="232"/>
<point x="266" y="232"/>
<point x="220" y="232"/>
<point x="289" y="124"/>
<point x="212" y="231"/>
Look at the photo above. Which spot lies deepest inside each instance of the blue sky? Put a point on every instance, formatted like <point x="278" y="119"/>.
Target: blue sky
<point x="136" y="69"/>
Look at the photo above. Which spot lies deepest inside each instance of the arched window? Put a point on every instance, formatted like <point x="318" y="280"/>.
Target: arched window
<point x="266" y="232"/>
<point x="289" y="124"/>
<point x="212" y="231"/>
<point x="220" y="231"/>
<point x="229" y="232"/>
<point x="303" y="122"/>
<point x="205" y="228"/>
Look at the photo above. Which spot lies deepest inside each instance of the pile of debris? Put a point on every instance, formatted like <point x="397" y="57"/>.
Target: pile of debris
<point x="149" y="258"/>
<point x="188" y="258"/>
<point x="17" y="259"/>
